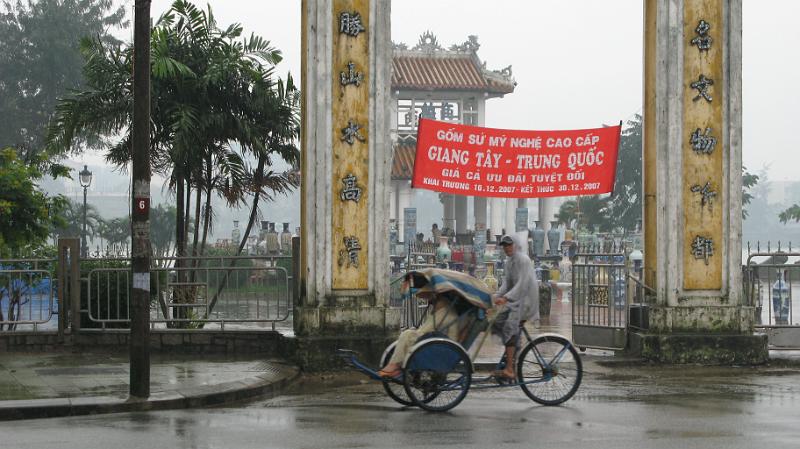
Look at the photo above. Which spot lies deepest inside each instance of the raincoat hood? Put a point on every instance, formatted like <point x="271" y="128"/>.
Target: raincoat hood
<point x="517" y="242"/>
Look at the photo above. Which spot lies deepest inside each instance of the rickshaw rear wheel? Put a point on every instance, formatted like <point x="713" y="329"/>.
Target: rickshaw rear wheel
<point x="549" y="370"/>
<point x="395" y="390"/>
<point x="437" y="375"/>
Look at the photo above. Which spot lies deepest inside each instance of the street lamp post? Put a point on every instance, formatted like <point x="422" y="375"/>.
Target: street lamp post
<point x="86" y="179"/>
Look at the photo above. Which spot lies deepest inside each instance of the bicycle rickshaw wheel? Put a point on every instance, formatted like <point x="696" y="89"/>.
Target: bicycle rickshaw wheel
<point x="438" y="375"/>
<point x="395" y="390"/>
<point x="549" y="370"/>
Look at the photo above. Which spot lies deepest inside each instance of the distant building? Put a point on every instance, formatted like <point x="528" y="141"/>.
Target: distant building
<point x="429" y="81"/>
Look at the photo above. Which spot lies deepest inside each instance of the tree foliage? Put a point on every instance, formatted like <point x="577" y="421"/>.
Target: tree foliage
<point x="623" y="209"/>
<point x="792" y="213"/>
<point x="216" y="108"/>
<point x="40" y="61"/>
<point x="25" y="211"/>
<point x="162" y="230"/>
<point x="586" y="212"/>
<point x="71" y="222"/>
<point x="749" y="181"/>
<point x="116" y="231"/>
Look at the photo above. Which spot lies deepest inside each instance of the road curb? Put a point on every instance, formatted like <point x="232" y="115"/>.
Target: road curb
<point x="261" y="386"/>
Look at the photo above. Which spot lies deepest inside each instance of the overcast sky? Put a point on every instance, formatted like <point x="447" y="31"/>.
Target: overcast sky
<point x="578" y="62"/>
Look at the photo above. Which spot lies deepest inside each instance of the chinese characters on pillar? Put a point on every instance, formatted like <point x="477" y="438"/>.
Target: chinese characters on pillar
<point x="350" y="23"/>
<point x="352" y="132"/>
<point x="349" y="255"/>
<point x="703" y="143"/>
<point x="706" y="194"/>
<point x="352" y="76"/>
<point x="701" y="85"/>
<point x="702" y="40"/>
<point x="702" y="248"/>
<point x="351" y="190"/>
<point x="704" y="147"/>
<point x="350" y="120"/>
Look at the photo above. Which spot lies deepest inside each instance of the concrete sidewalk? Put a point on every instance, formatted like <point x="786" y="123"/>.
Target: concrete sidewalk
<point x="39" y="385"/>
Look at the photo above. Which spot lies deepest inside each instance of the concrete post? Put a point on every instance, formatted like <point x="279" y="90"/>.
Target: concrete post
<point x="479" y="210"/>
<point x="497" y="216"/>
<point x="346" y="120"/>
<point x="69" y="296"/>
<point x="296" y="272"/>
<point x="545" y="217"/>
<point x="405" y="199"/>
<point x="393" y="215"/>
<point x="74" y="285"/>
<point x="511" y="215"/>
<point x="693" y="121"/>
<point x="461" y="214"/>
<point x="449" y="214"/>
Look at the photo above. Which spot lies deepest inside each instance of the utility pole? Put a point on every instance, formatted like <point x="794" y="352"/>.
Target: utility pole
<point x="140" y="222"/>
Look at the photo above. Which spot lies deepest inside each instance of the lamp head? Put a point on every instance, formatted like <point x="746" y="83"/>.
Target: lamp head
<point x="85" y="177"/>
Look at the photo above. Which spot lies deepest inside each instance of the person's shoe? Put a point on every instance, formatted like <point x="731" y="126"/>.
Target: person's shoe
<point x="504" y="376"/>
<point x="390" y="374"/>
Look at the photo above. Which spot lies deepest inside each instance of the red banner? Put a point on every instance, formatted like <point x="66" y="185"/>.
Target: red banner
<point x="469" y="160"/>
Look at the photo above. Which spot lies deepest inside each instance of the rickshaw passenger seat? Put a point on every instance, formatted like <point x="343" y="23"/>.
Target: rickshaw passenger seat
<point x="474" y="323"/>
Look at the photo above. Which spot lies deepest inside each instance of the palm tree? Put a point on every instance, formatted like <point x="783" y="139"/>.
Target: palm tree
<point x="116" y="231"/>
<point x="162" y="232"/>
<point x="587" y="211"/>
<point x="214" y="105"/>
<point x="71" y="220"/>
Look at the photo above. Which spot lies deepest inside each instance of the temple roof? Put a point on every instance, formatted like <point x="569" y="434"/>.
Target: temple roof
<point x="403" y="160"/>
<point x="428" y="66"/>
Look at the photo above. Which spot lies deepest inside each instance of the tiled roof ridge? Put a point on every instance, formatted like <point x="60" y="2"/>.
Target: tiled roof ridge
<point x="429" y="66"/>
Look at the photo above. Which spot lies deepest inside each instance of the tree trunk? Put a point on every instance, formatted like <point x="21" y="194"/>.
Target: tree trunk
<point x="179" y="214"/>
<point x="187" y="215"/>
<point x="198" y="201"/>
<point x="185" y="294"/>
<point x="207" y="217"/>
<point x="258" y="179"/>
<point x="180" y="240"/>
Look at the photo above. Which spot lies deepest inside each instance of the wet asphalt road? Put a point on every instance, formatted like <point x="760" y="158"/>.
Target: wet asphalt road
<point x="619" y="407"/>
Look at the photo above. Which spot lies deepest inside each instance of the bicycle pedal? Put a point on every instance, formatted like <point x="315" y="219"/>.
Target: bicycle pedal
<point x="347" y="353"/>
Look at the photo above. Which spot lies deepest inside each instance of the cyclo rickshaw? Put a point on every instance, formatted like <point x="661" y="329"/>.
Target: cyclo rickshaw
<point x="438" y="371"/>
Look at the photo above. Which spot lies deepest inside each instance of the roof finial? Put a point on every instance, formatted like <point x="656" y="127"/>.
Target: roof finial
<point x="428" y="42"/>
<point x="471" y="45"/>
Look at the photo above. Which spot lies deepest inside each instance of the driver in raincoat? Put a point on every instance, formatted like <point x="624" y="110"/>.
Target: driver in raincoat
<point x="520" y="295"/>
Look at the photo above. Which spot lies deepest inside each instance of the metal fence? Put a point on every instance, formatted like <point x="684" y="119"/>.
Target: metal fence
<point x="28" y="299"/>
<point x="771" y="277"/>
<point x="600" y="303"/>
<point x="193" y="291"/>
<point x="411" y="308"/>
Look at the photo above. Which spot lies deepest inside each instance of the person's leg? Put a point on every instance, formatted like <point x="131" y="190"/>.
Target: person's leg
<point x="509" y="369"/>
<point x="404" y="342"/>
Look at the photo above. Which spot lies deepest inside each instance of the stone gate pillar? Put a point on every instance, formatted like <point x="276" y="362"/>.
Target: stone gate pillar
<point x="545" y="217"/>
<point x="346" y="150"/>
<point x="693" y="190"/>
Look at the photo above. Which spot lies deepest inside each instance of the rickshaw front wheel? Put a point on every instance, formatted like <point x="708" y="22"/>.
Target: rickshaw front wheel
<point x="437" y="375"/>
<point x="549" y="370"/>
<point x="394" y="389"/>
